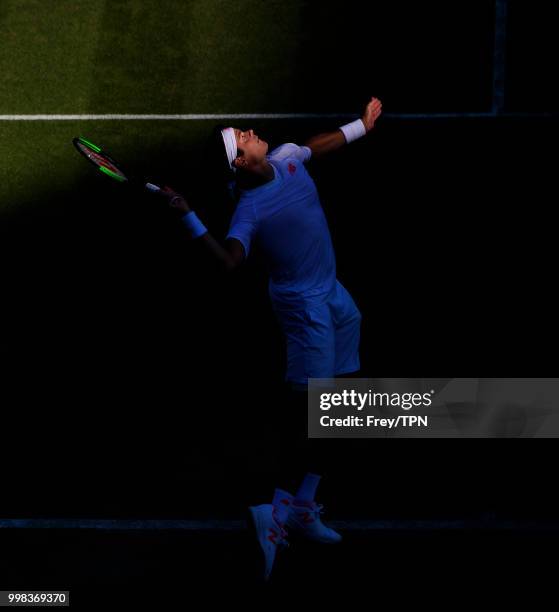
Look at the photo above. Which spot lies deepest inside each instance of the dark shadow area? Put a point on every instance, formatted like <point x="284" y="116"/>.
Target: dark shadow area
<point x="139" y="381"/>
<point x="220" y="568"/>
<point x="532" y="53"/>
<point x="415" y="57"/>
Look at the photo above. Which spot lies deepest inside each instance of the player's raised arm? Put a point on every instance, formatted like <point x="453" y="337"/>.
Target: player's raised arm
<point x="330" y="141"/>
<point x="230" y="256"/>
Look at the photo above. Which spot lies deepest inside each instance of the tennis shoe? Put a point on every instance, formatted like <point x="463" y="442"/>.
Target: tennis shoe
<point x="304" y="519"/>
<point x="270" y="534"/>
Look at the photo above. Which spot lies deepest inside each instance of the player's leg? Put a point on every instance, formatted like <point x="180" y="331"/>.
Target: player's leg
<point x="311" y="354"/>
<point x="306" y="460"/>
<point x="317" y="455"/>
<point x="310" y="337"/>
<point x="310" y="343"/>
<point x="341" y="315"/>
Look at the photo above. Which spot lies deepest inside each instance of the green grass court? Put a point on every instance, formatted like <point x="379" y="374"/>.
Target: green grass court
<point x="79" y="57"/>
<point x="206" y="57"/>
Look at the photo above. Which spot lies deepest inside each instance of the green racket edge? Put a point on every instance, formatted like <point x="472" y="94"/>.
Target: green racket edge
<point x="149" y="186"/>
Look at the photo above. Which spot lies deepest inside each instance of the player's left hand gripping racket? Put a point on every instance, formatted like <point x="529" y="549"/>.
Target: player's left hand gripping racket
<point x="106" y="165"/>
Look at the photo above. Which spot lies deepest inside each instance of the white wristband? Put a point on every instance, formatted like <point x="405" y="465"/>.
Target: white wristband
<point x="354" y="130"/>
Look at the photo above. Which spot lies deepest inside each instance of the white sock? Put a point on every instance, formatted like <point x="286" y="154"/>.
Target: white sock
<point x="282" y="502"/>
<point x="308" y="488"/>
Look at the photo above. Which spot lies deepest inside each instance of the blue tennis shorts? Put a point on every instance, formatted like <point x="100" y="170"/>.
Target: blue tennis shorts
<point x="322" y="341"/>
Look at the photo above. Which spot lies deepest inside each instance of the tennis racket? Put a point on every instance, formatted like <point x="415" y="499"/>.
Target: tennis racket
<point x="107" y="165"/>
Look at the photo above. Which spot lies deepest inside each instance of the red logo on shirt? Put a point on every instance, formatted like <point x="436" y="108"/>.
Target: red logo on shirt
<point x="292" y="168"/>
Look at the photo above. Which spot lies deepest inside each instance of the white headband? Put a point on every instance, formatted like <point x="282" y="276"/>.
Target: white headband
<point x="230" y="142"/>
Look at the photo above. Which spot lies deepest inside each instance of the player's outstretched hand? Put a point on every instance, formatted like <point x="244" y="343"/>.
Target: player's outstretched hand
<point x="372" y="113"/>
<point x="176" y="200"/>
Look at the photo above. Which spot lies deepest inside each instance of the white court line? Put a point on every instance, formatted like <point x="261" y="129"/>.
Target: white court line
<point x="195" y="117"/>
<point x="235" y="116"/>
<point x="244" y="116"/>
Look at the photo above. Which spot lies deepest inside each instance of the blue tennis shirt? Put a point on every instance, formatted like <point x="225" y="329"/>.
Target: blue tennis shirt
<point x="286" y="218"/>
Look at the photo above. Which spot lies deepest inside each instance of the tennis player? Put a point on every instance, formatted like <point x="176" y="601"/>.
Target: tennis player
<point x="279" y="206"/>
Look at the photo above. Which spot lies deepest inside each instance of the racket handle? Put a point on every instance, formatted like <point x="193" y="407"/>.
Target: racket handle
<point x="152" y="187"/>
